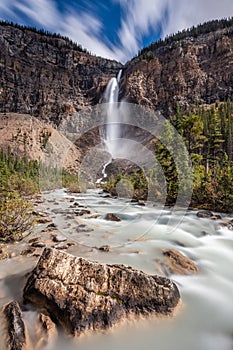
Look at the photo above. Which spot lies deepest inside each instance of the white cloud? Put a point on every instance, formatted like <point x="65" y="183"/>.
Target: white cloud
<point x="138" y="18"/>
<point x="185" y="14"/>
<point x="7" y="8"/>
<point x="86" y="30"/>
<point x="43" y="12"/>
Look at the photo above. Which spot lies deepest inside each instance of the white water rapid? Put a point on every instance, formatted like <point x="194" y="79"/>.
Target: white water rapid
<point x="205" y="319"/>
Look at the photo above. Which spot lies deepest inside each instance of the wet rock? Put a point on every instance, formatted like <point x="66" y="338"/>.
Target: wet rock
<point x="205" y="214"/>
<point x="84" y="228"/>
<point x="52" y="225"/>
<point x="216" y="217"/>
<point x="111" y="217"/>
<point x="177" y="263"/>
<point x="83" y="295"/>
<point x="59" y="211"/>
<point x="43" y="220"/>
<point x="70" y="199"/>
<point x="49" y="330"/>
<point x="28" y="251"/>
<point x="105" y="248"/>
<point x="82" y="212"/>
<point x="75" y="204"/>
<point x="228" y="224"/>
<point x="38" y="244"/>
<point x="58" y="238"/>
<point x="61" y="246"/>
<point x="16" y="330"/>
<point x="94" y="216"/>
<point x="106" y="196"/>
<point x="134" y="200"/>
<point x="33" y="240"/>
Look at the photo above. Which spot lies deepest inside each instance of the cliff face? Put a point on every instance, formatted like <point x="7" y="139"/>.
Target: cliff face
<point x="48" y="76"/>
<point x="194" y="69"/>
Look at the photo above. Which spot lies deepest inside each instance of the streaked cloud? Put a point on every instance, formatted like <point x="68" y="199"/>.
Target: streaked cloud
<point x="139" y="18"/>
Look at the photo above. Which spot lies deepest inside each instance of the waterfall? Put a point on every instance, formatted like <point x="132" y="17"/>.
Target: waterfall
<point x="112" y="132"/>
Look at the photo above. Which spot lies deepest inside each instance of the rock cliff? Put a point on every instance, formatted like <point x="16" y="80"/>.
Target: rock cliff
<point x="194" y="69"/>
<point x="48" y="76"/>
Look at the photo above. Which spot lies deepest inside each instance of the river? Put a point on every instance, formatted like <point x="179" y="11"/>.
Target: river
<point x="205" y="319"/>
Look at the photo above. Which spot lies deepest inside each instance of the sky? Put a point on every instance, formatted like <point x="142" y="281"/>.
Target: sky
<point x="114" y="29"/>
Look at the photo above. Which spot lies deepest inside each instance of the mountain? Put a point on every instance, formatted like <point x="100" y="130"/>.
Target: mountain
<point x="194" y="66"/>
<point x="48" y="76"/>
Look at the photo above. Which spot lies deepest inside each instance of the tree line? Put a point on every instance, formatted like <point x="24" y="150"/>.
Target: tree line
<point x="48" y="37"/>
<point x="194" y="31"/>
<point x="207" y="135"/>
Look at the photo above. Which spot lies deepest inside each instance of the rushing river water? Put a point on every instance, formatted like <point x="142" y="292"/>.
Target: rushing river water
<point x="205" y="320"/>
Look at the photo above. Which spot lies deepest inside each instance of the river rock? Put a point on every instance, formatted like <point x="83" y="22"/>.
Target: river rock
<point x="228" y="224"/>
<point x="82" y="295"/>
<point x="38" y="244"/>
<point x="205" y="214"/>
<point x="61" y="245"/>
<point x="111" y="217"/>
<point x="177" y="263"/>
<point x="105" y="248"/>
<point x="58" y="238"/>
<point x="82" y="212"/>
<point x="49" y="331"/>
<point x="16" y="330"/>
<point x="28" y="251"/>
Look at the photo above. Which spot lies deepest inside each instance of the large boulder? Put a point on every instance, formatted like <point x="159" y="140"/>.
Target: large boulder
<point x="82" y="295"/>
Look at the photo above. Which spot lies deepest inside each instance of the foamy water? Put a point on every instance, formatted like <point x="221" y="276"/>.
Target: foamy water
<point x="205" y="320"/>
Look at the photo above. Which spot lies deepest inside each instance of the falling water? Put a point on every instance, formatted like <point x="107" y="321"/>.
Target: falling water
<point x="112" y="132"/>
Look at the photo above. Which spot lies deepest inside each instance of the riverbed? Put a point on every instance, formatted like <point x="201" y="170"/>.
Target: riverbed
<point x="205" y="319"/>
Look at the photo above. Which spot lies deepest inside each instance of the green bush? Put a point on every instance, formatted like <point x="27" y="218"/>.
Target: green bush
<point x="16" y="217"/>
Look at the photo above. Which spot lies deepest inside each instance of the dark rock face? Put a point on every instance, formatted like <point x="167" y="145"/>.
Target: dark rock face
<point x="83" y="295"/>
<point x="15" y="327"/>
<point x="177" y="263"/>
<point x="185" y="71"/>
<point x="47" y="76"/>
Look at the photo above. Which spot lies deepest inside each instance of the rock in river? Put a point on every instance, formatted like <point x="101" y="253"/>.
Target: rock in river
<point x="82" y="295"/>
<point x="205" y="214"/>
<point x="111" y="217"/>
<point x="15" y="327"/>
<point x="177" y="263"/>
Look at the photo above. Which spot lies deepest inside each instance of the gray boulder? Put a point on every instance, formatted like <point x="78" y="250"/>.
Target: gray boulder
<point x="82" y="295"/>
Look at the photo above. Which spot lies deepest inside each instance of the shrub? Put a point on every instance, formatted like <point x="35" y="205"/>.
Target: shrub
<point x="16" y="217"/>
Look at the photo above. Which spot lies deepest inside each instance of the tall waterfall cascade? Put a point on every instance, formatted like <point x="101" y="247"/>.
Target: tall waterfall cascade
<point x="112" y="132"/>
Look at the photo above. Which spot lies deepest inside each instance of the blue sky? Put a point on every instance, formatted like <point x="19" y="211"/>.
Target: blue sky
<point x="115" y="29"/>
